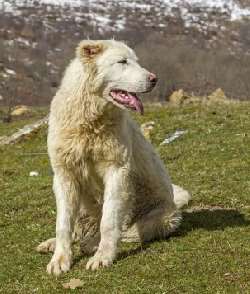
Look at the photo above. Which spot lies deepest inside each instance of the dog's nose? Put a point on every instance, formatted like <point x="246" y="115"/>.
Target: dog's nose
<point x="152" y="78"/>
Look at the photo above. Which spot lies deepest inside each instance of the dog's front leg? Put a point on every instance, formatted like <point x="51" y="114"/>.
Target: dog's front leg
<point x="114" y="209"/>
<point x="66" y="193"/>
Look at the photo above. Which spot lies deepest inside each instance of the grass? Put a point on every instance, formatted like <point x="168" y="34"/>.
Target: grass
<point x="7" y="129"/>
<point x="208" y="254"/>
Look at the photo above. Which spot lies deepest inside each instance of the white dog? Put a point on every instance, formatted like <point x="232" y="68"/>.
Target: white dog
<point x="104" y="169"/>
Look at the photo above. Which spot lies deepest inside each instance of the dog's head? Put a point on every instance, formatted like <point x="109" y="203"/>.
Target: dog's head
<point x="116" y="73"/>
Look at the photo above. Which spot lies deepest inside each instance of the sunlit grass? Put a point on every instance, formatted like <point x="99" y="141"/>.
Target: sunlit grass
<point x="208" y="254"/>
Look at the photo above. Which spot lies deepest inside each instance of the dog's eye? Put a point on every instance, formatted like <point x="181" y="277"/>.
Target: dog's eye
<point x="123" y="61"/>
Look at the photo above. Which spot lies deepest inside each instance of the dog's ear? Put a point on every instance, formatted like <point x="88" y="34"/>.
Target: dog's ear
<point x="88" y="50"/>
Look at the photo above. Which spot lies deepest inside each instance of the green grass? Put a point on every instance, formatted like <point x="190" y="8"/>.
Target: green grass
<point x="7" y="129"/>
<point x="208" y="254"/>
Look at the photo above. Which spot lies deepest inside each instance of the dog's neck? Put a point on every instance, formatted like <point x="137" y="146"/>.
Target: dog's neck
<point x="84" y="109"/>
<point x="82" y="106"/>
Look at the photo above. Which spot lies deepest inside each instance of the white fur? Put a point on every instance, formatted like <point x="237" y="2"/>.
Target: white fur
<point x="109" y="183"/>
<point x="114" y="207"/>
<point x="181" y="196"/>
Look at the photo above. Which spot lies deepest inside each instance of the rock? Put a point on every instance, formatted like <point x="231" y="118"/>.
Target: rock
<point x="9" y="71"/>
<point x="34" y="174"/>
<point x="181" y="98"/>
<point x="174" y="136"/>
<point x="24" y="132"/>
<point x="21" y="110"/>
<point x="217" y="96"/>
<point x="193" y="100"/>
<point x="177" y="97"/>
<point x="73" y="284"/>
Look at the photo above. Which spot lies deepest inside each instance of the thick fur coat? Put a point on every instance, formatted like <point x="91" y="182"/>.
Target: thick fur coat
<point x="108" y="181"/>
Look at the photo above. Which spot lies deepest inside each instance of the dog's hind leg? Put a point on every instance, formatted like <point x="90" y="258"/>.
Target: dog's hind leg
<point x="160" y="222"/>
<point x="88" y="244"/>
<point x="86" y="231"/>
<point x="157" y="224"/>
<point x="47" y="246"/>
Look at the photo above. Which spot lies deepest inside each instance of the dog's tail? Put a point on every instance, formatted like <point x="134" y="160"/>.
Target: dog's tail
<point x="181" y="196"/>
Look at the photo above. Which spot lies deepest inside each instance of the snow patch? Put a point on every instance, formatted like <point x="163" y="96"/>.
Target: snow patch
<point x="10" y="72"/>
<point x="194" y="13"/>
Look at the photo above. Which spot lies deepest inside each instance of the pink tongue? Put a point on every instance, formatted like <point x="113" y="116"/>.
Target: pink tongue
<point x="135" y="103"/>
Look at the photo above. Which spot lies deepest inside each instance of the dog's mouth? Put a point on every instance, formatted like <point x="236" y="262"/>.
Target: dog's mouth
<point x="128" y="99"/>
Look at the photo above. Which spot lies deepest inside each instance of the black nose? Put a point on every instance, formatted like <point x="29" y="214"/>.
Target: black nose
<point x="153" y="78"/>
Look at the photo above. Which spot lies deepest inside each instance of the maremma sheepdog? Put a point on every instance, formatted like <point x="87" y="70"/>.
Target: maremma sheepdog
<point x="108" y="180"/>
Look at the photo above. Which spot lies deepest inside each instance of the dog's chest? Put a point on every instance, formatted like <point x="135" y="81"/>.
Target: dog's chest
<point x="84" y="149"/>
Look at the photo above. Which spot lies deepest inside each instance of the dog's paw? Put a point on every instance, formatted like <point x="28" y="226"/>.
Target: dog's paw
<point x="60" y="263"/>
<point x="99" y="260"/>
<point x="47" y="246"/>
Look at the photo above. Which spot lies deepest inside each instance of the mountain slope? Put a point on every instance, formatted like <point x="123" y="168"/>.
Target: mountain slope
<point x="202" y="45"/>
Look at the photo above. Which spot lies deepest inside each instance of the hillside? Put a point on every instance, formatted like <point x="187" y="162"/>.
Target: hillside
<point x="208" y="254"/>
<point x="195" y="45"/>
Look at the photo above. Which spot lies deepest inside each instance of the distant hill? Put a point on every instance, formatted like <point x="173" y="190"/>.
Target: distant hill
<point x="198" y="46"/>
